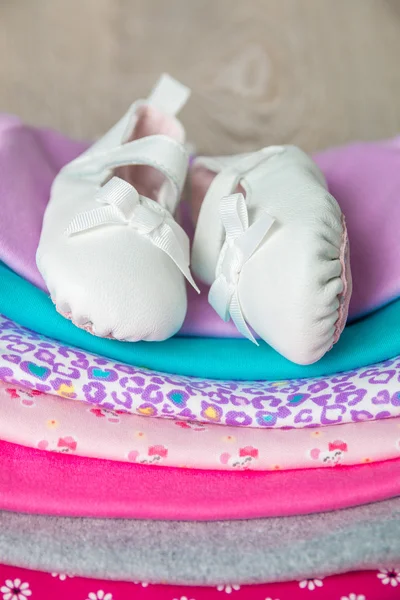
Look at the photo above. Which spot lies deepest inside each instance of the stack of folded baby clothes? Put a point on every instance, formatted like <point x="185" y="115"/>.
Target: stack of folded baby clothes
<point x="148" y="449"/>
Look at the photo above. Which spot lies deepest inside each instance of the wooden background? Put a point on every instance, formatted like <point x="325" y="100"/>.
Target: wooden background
<point x="312" y="72"/>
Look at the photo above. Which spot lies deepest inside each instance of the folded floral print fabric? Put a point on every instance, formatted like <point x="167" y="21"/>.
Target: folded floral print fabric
<point x="355" y="174"/>
<point x="38" y="363"/>
<point x="358" y="585"/>
<point x="58" y="483"/>
<point x="362" y="343"/>
<point x="240" y="552"/>
<point x="36" y="419"/>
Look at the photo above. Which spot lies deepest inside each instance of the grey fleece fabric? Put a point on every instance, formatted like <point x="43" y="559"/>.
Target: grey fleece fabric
<point x="207" y="553"/>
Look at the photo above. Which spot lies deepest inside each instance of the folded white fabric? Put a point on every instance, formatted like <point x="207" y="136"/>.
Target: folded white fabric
<point x="111" y="253"/>
<point x="272" y="242"/>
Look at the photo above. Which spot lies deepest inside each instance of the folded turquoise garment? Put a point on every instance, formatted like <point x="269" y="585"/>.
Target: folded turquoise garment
<point x="362" y="343"/>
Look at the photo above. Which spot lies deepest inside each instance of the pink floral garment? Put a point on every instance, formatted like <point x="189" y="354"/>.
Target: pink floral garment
<point x="22" y="584"/>
<point x="39" y="420"/>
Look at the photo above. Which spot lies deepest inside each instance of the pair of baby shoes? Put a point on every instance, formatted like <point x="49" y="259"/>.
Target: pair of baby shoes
<point x="269" y="240"/>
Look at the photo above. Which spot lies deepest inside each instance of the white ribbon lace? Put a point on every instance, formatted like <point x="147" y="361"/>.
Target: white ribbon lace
<point x="240" y="244"/>
<point x="122" y="205"/>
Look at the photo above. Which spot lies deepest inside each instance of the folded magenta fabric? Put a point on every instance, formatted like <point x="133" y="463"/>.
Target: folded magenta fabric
<point x="57" y="483"/>
<point x="42" y="364"/>
<point x="358" y="585"/>
<point x="364" y="178"/>
<point x="39" y="420"/>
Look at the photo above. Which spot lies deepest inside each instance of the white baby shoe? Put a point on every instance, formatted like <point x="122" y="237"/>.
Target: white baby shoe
<point x="272" y="243"/>
<point x="112" y="255"/>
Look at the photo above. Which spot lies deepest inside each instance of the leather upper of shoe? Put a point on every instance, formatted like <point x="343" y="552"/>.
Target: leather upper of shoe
<point x="272" y="242"/>
<point x="111" y="252"/>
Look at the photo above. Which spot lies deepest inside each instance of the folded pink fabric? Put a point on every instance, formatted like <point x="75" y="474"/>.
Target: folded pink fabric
<point x="56" y="483"/>
<point x="364" y="177"/>
<point x="36" y="419"/>
<point x="361" y="585"/>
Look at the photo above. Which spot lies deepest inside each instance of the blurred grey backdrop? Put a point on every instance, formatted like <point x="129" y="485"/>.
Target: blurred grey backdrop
<point x="312" y="72"/>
